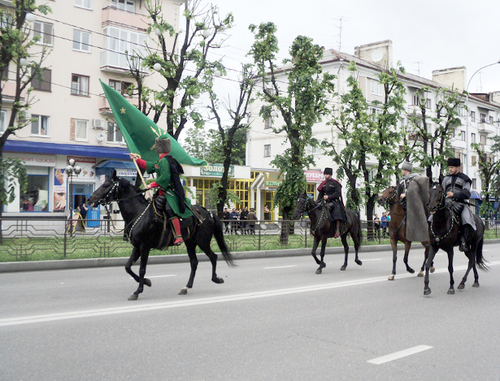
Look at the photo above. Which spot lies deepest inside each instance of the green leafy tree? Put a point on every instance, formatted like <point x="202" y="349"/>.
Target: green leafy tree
<point x="301" y="104"/>
<point x="20" y="64"/>
<point x="196" y="142"/>
<point x="182" y="60"/>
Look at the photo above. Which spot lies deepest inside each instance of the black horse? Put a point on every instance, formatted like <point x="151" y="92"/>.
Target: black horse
<point x="322" y="228"/>
<point x="144" y="229"/>
<point x="444" y="231"/>
<point x="397" y="231"/>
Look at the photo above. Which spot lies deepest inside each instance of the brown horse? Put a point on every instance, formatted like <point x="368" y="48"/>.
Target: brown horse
<point x="322" y="229"/>
<point x="397" y="231"/>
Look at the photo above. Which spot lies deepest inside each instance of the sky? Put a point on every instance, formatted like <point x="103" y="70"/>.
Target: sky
<point x="426" y="35"/>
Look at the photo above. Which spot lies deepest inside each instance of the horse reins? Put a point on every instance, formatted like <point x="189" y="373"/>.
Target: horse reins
<point x="442" y="205"/>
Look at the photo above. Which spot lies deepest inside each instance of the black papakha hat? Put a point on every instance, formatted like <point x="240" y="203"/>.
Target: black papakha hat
<point x="453" y="162"/>
<point x="328" y="171"/>
<point x="162" y="145"/>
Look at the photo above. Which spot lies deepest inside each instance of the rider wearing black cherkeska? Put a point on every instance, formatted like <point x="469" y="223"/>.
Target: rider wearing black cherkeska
<point x="330" y="190"/>
<point x="457" y="187"/>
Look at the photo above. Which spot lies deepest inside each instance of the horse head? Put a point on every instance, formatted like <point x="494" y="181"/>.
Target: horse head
<point x="436" y="198"/>
<point x="300" y="206"/>
<point x="107" y="192"/>
<point x="388" y="196"/>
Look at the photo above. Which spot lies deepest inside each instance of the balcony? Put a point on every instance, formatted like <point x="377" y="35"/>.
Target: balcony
<point x="104" y="107"/>
<point x="112" y="15"/>
<point x="486" y="128"/>
<point x="117" y="62"/>
<point x="458" y="144"/>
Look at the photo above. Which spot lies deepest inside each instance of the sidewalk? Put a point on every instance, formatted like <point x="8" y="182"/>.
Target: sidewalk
<point x="8" y="267"/>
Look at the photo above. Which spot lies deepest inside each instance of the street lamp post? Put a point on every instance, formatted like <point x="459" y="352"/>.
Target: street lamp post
<point x="467" y="117"/>
<point x="71" y="169"/>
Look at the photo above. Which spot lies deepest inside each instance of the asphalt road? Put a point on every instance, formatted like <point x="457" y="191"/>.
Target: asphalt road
<point x="272" y="319"/>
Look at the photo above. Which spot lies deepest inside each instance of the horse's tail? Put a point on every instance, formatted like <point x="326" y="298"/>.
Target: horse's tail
<point x="219" y="237"/>
<point x="480" y="261"/>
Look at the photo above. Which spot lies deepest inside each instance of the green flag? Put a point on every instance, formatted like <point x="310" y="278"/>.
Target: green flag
<point x="140" y="132"/>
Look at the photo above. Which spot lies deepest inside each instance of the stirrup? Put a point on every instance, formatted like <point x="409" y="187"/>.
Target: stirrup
<point x="178" y="241"/>
<point x="336" y="235"/>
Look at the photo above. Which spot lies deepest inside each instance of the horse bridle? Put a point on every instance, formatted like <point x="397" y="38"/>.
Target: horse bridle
<point x="390" y="199"/>
<point x="305" y="203"/>
<point x="442" y="205"/>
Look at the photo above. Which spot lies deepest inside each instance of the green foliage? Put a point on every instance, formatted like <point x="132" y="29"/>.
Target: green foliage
<point x="301" y="105"/>
<point x="215" y="152"/>
<point x="12" y="172"/>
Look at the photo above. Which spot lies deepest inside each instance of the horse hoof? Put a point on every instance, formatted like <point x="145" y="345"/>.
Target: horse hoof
<point x="433" y="269"/>
<point x="427" y="291"/>
<point x="391" y="277"/>
<point x="476" y="284"/>
<point x="183" y="291"/>
<point x="147" y="282"/>
<point x="133" y="297"/>
<point x="358" y="262"/>
<point x="411" y="271"/>
<point x="461" y="286"/>
<point x="319" y="271"/>
<point x="451" y="291"/>
<point x="218" y="280"/>
<point x="343" y="268"/>
<point x="420" y="274"/>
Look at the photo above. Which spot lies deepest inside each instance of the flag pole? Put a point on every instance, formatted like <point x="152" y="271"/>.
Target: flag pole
<point x="139" y="172"/>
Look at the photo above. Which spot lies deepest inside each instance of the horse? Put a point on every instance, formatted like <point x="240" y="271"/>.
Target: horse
<point x="444" y="231"/>
<point x="322" y="228"/>
<point x="397" y="231"/>
<point x="145" y="230"/>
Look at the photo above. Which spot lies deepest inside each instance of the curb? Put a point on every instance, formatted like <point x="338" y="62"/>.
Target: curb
<point x="67" y="264"/>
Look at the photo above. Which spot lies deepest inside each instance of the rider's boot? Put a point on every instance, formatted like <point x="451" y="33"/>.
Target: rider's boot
<point x="464" y="246"/>
<point x="176" y="224"/>
<point x="337" y="231"/>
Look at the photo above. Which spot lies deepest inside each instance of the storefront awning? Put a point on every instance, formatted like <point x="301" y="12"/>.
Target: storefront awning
<point x="475" y="195"/>
<point x="67" y="149"/>
<point x="116" y="164"/>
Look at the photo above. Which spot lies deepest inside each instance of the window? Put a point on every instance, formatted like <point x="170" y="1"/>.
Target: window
<point x="416" y="100"/>
<point x="473" y="138"/>
<point x="473" y="116"/>
<point x="268" y="123"/>
<point x="490" y="119"/>
<point x="482" y="118"/>
<point x="428" y="104"/>
<point x="3" y="120"/>
<point x="483" y="140"/>
<point x="313" y="150"/>
<point x="40" y="125"/>
<point x="84" y="4"/>
<point x="376" y="87"/>
<point x="474" y="184"/>
<point x="44" y="31"/>
<point x="81" y="40"/>
<point x="114" y="133"/>
<point x="120" y="86"/>
<point x="267" y="150"/>
<point x="124" y="5"/>
<point x="81" y="129"/>
<point x="43" y="82"/>
<point x="36" y="198"/>
<point x="79" y="85"/>
<point x="473" y="160"/>
<point x="461" y="136"/>
<point x="120" y="44"/>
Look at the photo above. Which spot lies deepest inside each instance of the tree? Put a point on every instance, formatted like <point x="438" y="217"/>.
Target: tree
<point x="227" y="135"/>
<point x="182" y="60"/>
<point x="302" y="105"/>
<point x="17" y="52"/>
<point x="488" y="171"/>
<point x="431" y="134"/>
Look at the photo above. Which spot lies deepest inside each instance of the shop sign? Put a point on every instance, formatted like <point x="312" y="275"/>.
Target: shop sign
<point x="126" y="172"/>
<point x="314" y="176"/>
<point x="272" y="183"/>
<point x="216" y="170"/>
<point x="33" y="160"/>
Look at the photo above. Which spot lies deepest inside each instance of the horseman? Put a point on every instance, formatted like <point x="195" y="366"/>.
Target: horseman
<point x="167" y="171"/>
<point x="408" y="176"/>
<point x="457" y="187"/>
<point x="330" y="190"/>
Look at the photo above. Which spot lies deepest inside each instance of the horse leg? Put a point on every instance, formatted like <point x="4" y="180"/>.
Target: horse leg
<point x="394" y="247"/>
<point x="213" y="260"/>
<point x="193" y="261"/>
<point x="471" y="265"/>
<point x="128" y="268"/>
<point x="346" y="251"/>
<point x="431" y="252"/>
<point x="405" y="258"/>
<point x="357" y="244"/>
<point x="142" y="273"/>
<point x="422" y="269"/>
<point x="322" y="264"/>
<point x="313" y="252"/>
<point x="451" y="290"/>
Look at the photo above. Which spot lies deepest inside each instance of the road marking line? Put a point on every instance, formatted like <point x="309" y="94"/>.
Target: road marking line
<point x="14" y="321"/>
<point x="372" y="259"/>
<point x="400" y="354"/>
<point x="279" y="267"/>
<point x="158" y="276"/>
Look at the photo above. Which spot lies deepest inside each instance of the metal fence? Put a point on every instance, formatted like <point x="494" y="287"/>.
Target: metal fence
<point x="49" y="238"/>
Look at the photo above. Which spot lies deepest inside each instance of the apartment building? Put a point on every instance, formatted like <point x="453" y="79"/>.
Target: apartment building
<point x="482" y="122"/>
<point x="90" y="40"/>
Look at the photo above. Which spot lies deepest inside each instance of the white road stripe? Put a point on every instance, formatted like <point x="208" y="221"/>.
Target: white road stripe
<point x="279" y="267"/>
<point x="198" y="302"/>
<point x="158" y="276"/>
<point x="372" y="259"/>
<point x="400" y="354"/>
